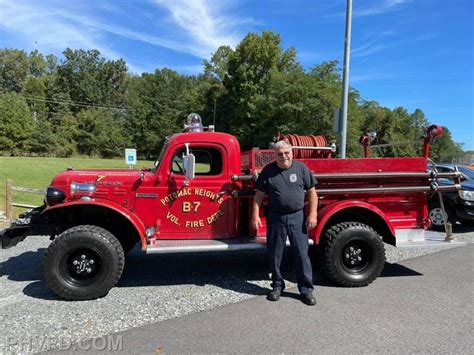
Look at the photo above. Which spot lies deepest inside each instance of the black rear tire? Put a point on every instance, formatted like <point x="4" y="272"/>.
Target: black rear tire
<point x="83" y="263"/>
<point x="353" y="254"/>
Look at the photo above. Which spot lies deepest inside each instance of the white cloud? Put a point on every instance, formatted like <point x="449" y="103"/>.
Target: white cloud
<point x="41" y="28"/>
<point x="207" y="24"/>
<point x="378" y="45"/>
<point x="381" y="7"/>
<point x="194" y="27"/>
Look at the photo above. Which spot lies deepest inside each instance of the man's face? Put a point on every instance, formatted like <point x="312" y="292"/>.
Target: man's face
<point x="284" y="157"/>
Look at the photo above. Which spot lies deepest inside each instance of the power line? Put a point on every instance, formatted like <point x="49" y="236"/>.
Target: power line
<point x="69" y="102"/>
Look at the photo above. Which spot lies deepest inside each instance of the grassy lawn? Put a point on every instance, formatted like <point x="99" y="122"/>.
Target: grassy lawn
<point x="38" y="173"/>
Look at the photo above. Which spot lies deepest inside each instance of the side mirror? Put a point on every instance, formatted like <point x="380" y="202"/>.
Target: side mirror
<point x="189" y="162"/>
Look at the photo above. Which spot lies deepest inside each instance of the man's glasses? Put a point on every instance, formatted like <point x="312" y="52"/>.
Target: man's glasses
<point x="283" y="154"/>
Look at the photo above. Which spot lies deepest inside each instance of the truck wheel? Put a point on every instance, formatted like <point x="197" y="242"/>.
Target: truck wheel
<point x="436" y="215"/>
<point x="83" y="263"/>
<point x="353" y="254"/>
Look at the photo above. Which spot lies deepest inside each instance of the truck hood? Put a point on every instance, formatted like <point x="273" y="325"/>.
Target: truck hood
<point x="115" y="185"/>
<point x="98" y="177"/>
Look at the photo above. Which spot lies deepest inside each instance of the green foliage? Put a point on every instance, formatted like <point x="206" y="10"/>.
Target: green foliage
<point x="91" y="80"/>
<point x="16" y="124"/>
<point x="14" y="68"/>
<point x="98" y="134"/>
<point x="85" y="104"/>
<point x="38" y="64"/>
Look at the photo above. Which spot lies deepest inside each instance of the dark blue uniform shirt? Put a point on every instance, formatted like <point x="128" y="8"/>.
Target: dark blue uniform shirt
<point x="285" y="187"/>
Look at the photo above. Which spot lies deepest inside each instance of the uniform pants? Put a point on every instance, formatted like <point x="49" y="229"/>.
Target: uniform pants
<point x="278" y="228"/>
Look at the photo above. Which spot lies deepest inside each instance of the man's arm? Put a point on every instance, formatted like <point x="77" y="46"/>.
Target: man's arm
<point x="256" y="204"/>
<point x="311" y="219"/>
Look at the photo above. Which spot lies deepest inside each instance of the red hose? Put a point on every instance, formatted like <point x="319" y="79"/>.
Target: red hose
<point x="306" y="141"/>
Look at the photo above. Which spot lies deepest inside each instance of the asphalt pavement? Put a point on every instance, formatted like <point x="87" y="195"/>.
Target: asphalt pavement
<point x="421" y="305"/>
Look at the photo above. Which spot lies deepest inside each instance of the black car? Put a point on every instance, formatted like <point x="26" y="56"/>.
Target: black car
<point x="459" y="205"/>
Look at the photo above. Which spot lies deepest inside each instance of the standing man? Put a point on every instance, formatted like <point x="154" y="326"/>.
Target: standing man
<point x="285" y="182"/>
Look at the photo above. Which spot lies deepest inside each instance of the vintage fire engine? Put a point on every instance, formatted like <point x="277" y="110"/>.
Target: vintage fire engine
<point x="198" y="198"/>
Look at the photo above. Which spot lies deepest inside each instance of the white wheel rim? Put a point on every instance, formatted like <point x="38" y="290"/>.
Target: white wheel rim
<point x="436" y="216"/>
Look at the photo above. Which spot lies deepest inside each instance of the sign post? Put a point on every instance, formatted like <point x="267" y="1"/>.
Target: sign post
<point x="130" y="157"/>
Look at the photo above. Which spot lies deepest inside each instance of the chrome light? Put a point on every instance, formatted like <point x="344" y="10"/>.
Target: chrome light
<point x="466" y="195"/>
<point x="82" y="188"/>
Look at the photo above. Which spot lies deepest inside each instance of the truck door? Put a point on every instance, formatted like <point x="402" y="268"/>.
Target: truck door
<point x="200" y="208"/>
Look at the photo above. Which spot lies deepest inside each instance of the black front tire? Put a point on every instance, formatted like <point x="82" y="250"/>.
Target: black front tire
<point x="83" y="263"/>
<point x="353" y="254"/>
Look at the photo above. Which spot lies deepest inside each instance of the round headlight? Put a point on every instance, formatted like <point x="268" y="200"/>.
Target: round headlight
<point x="54" y="196"/>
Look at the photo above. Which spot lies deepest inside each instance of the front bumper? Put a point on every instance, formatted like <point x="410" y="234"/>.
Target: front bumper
<point x="12" y="236"/>
<point x="29" y="223"/>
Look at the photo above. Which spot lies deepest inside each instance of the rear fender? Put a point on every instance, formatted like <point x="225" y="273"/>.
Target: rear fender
<point x="325" y="214"/>
<point x="124" y="212"/>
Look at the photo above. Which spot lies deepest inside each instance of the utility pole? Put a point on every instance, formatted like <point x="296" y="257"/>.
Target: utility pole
<point x="345" y="78"/>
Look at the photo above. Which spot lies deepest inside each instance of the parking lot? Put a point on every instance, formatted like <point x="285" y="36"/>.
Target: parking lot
<point x="152" y="289"/>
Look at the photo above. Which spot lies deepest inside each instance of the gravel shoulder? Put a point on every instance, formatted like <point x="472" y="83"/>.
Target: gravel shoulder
<point x="153" y="288"/>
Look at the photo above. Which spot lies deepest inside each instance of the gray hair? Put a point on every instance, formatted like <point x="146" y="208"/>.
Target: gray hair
<point x="282" y="144"/>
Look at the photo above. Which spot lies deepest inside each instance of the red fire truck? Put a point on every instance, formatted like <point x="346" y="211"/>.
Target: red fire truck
<point x="198" y="196"/>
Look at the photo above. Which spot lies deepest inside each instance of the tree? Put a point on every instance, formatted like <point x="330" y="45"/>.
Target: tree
<point x="43" y="141"/>
<point x="16" y="124"/>
<point x="98" y="134"/>
<point x="14" y="68"/>
<point x="250" y="69"/>
<point x="160" y="103"/>
<point x="35" y="93"/>
<point x="89" y="79"/>
<point x="37" y="64"/>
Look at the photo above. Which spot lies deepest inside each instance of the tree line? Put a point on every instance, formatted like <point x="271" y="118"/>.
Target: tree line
<point x="84" y="104"/>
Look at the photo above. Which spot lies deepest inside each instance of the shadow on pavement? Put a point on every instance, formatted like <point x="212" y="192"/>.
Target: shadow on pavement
<point x="232" y="271"/>
<point x="397" y="270"/>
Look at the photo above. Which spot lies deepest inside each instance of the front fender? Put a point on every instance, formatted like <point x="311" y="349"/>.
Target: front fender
<point x="330" y="210"/>
<point x="123" y="211"/>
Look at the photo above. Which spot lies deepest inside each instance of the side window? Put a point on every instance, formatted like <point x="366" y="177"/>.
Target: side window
<point x="208" y="161"/>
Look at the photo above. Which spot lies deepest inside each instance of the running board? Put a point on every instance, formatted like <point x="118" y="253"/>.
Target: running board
<point x="408" y="238"/>
<point x="165" y="246"/>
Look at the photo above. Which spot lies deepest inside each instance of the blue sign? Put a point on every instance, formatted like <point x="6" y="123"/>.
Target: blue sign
<point x="130" y="156"/>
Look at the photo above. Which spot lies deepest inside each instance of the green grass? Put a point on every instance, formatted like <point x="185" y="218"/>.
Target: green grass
<point x="38" y="172"/>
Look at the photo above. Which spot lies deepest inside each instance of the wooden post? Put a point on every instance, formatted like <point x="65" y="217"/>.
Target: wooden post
<point x="9" y="193"/>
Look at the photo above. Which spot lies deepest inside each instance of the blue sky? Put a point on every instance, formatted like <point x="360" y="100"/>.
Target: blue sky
<point x="410" y="53"/>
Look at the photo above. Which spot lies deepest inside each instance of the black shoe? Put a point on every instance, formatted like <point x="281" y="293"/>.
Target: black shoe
<point x="308" y="299"/>
<point x="274" y="295"/>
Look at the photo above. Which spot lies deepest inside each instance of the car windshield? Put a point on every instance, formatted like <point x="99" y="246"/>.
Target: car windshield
<point x="467" y="171"/>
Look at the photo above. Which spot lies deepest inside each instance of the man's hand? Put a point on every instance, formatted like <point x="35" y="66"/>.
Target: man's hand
<point x="311" y="221"/>
<point x="256" y="222"/>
